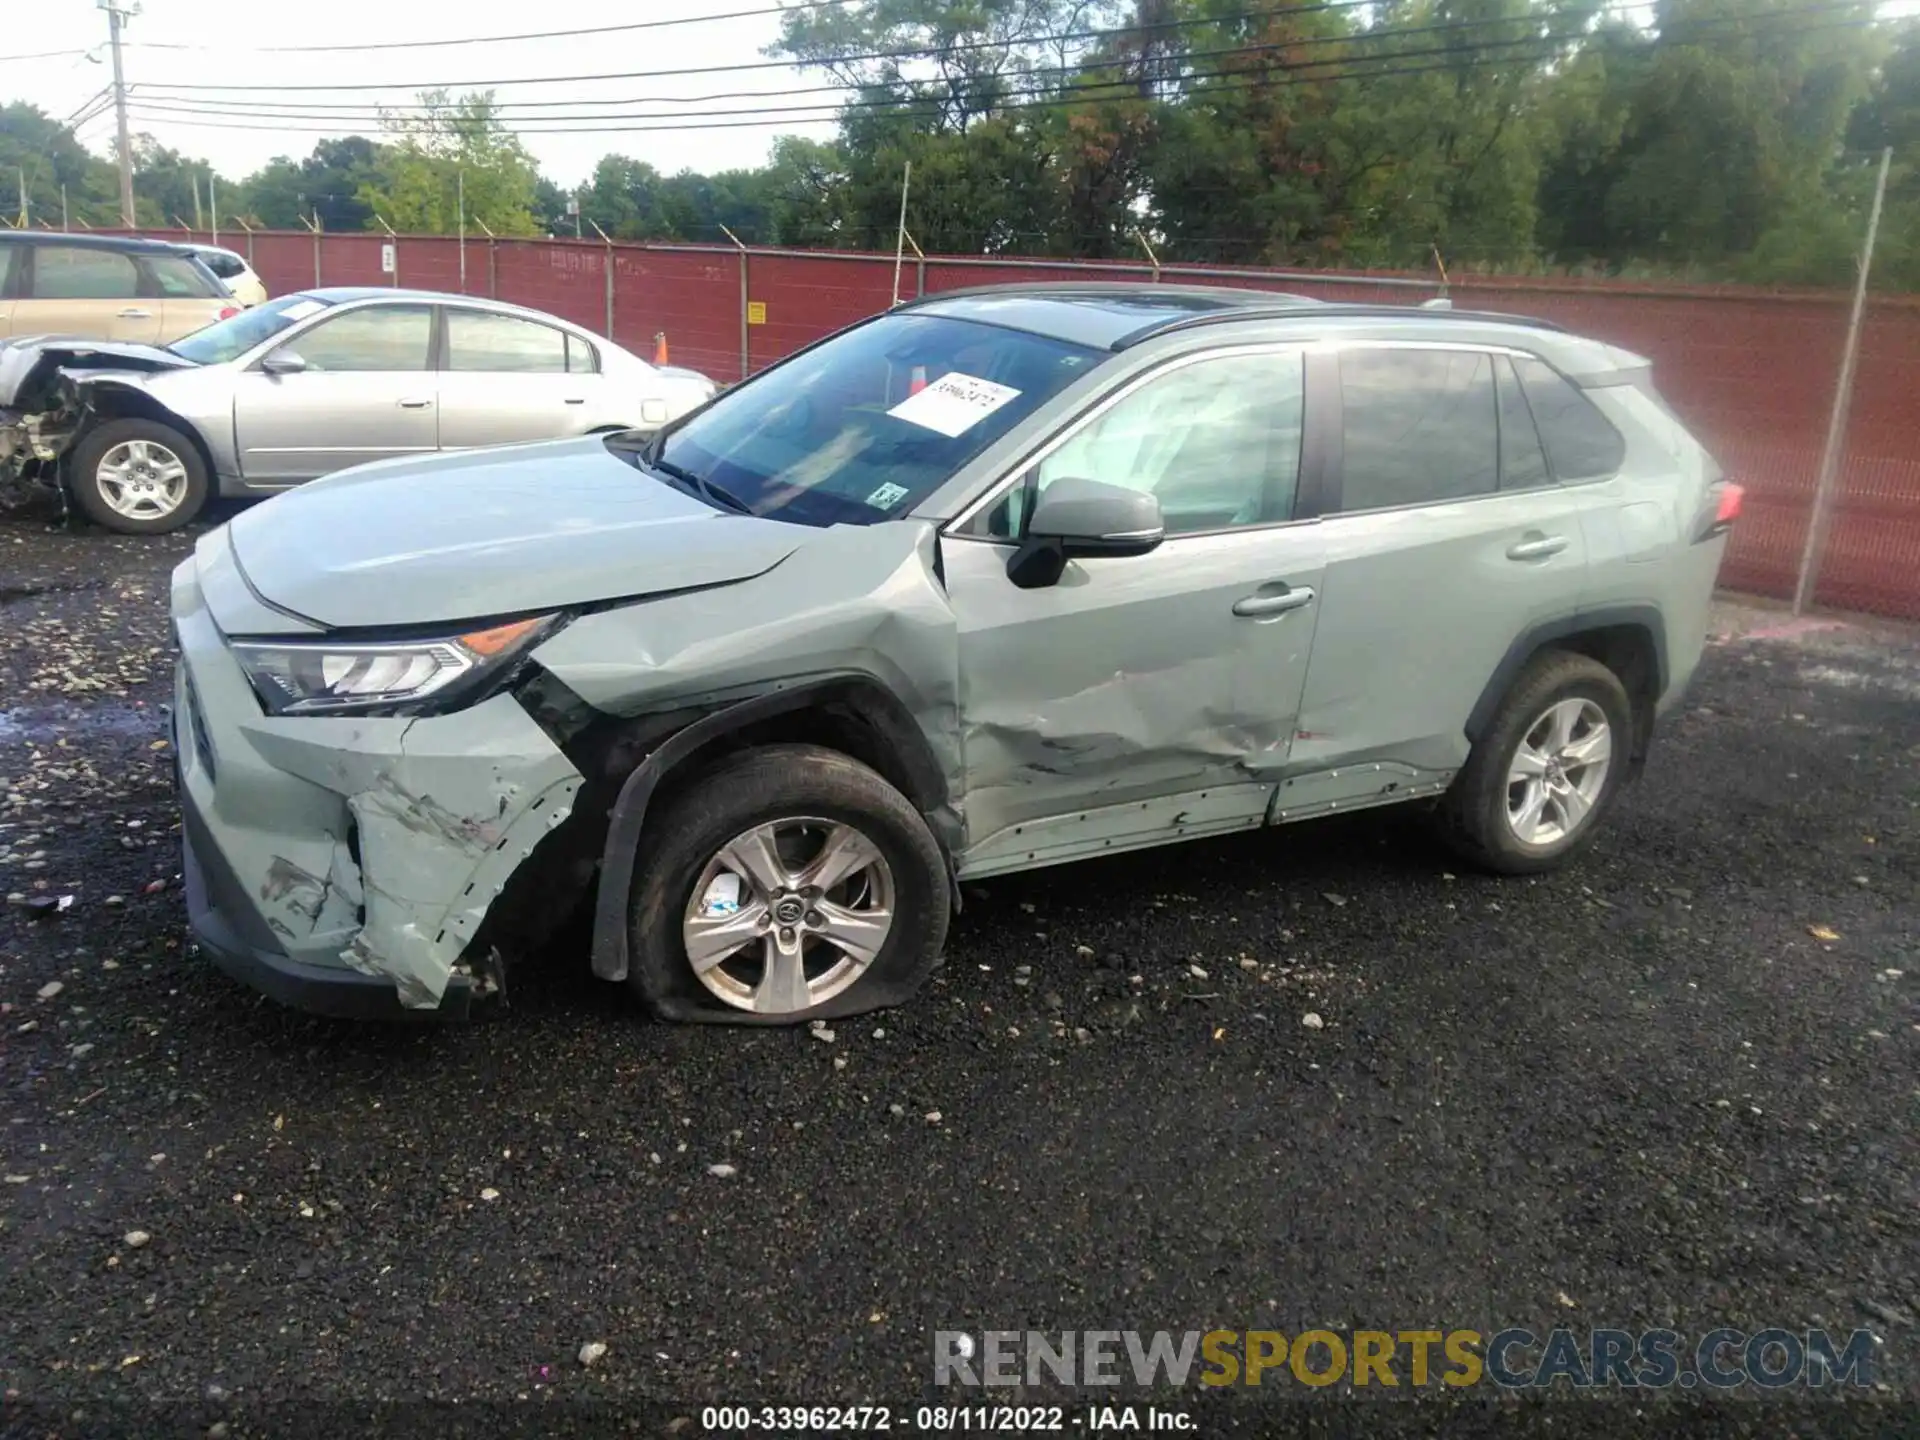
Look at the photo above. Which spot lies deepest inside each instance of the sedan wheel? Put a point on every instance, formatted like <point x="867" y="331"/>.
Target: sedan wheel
<point x="141" y="480"/>
<point x="789" y="914"/>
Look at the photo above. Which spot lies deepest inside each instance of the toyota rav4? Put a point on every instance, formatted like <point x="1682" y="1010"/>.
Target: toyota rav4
<point x="996" y="580"/>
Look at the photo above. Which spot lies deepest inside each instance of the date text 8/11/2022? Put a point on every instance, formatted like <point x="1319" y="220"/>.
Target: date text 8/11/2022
<point x="942" y="1419"/>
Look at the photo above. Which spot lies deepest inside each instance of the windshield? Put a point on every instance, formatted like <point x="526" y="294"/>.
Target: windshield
<point x="866" y="426"/>
<point x="231" y="338"/>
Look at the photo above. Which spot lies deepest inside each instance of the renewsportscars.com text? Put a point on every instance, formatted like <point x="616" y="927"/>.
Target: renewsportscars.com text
<point x="1770" y="1359"/>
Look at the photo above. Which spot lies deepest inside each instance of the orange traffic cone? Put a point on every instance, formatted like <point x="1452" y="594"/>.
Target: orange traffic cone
<point x="918" y="382"/>
<point x="660" y="348"/>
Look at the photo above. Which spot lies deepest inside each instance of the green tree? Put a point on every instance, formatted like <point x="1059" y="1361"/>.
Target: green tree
<point x="327" y="184"/>
<point x="624" y="198"/>
<point x="806" y="191"/>
<point x="35" y="146"/>
<point x="457" y="144"/>
<point x="1693" y="144"/>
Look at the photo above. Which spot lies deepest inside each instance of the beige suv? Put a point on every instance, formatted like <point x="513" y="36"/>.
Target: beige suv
<point x="106" y="288"/>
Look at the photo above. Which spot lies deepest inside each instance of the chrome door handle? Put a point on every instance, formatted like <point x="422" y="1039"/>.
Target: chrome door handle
<point x="1538" y="548"/>
<point x="1257" y="605"/>
<point x="136" y="314"/>
<point x="415" y="404"/>
<point x="576" y="400"/>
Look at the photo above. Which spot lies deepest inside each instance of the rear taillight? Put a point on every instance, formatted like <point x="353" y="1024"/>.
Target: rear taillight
<point x="1721" y="509"/>
<point x="227" y="312"/>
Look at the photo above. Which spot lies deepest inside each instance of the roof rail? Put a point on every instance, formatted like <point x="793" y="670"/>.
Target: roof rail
<point x="1230" y="295"/>
<point x="1327" y="308"/>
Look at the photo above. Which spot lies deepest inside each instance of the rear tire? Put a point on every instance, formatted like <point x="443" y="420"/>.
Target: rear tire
<point x="728" y="869"/>
<point x="1541" y="779"/>
<point x="138" y="477"/>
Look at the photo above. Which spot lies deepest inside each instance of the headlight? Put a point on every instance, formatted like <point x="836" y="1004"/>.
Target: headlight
<point x="311" y="677"/>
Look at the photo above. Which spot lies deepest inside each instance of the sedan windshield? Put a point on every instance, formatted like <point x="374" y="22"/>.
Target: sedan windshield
<point x="866" y="426"/>
<point x="231" y="338"/>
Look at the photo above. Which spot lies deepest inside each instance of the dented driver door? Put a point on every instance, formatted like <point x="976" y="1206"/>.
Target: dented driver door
<point x="1146" y="697"/>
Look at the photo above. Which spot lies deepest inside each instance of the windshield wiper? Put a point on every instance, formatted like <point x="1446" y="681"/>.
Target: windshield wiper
<point x="700" y="485"/>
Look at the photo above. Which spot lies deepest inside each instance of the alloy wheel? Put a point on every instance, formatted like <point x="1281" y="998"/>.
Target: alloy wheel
<point x="1559" y="772"/>
<point x="142" y="480"/>
<point x="789" y="914"/>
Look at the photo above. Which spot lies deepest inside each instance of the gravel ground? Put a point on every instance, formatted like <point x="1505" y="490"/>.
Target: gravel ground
<point x="1673" y="1086"/>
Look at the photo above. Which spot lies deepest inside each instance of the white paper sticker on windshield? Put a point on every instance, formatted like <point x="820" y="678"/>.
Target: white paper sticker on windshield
<point x="887" y="496"/>
<point x="953" y="404"/>
<point x="300" y="310"/>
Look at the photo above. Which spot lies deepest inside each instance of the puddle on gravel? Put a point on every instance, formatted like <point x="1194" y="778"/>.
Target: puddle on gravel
<point x="38" y="724"/>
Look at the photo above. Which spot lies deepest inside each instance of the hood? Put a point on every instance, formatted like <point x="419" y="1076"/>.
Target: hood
<point x="28" y="363"/>
<point x="472" y="535"/>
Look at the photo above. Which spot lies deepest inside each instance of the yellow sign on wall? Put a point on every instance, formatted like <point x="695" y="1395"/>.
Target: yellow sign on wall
<point x="756" y="312"/>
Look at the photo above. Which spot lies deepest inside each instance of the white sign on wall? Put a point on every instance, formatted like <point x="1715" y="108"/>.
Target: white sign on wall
<point x="388" y="264"/>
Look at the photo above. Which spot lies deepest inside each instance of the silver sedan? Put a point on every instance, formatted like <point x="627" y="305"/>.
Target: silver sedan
<point x="311" y="383"/>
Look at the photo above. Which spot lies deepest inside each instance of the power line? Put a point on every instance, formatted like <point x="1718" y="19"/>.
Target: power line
<point x="302" y="109"/>
<point x="40" y="55"/>
<point x="917" y="109"/>
<point x="921" y="53"/>
<point x="545" y="124"/>
<point x="916" y="104"/>
<point x="1080" y="92"/>
<point x="788" y="9"/>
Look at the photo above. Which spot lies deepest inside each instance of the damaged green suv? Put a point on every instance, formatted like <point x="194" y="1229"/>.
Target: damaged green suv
<point x="996" y="580"/>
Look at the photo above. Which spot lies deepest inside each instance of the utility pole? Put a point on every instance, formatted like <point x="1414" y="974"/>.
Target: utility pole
<point x="116" y="20"/>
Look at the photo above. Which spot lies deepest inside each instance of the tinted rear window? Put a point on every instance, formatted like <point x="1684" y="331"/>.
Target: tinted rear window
<point x="180" y="278"/>
<point x="1523" y="464"/>
<point x="223" y="265"/>
<point x="1581" y="443"/>
<point x="1419" y="427"/>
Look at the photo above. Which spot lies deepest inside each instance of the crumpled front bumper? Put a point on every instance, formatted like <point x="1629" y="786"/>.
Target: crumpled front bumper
<point x="344" y="864"/>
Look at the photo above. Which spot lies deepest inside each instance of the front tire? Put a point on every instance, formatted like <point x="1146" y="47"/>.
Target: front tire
<point x="786" y="884"/>
<point x="138" y="477"/>
<point x="1545" y="773"/>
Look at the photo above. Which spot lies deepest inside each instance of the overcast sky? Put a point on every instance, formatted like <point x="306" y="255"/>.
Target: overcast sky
<point x="225" y="42"/>
<point x="233" y="47"/>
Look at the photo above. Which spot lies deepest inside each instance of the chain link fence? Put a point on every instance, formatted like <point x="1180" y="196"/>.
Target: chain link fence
<point x="1753" y="372"/>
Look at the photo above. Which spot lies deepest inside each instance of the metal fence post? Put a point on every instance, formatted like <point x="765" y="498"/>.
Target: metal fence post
<point x="1822" y="514"/>
<point x="493" y="289"/>
<point x="607" y="240"/>
<point x="314" y="226"/>
<point x="1152" y="259"/>
<point x="462" y="203"/>
<point x="919" y="266"/>
<point x="745" y="359"/>
<point x="394" y="241"/>
<point x="249" y="229"/>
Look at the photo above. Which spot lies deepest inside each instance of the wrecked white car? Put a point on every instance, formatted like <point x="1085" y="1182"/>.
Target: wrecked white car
<point x="993" y="581"/>
<point x="139" y="437"/>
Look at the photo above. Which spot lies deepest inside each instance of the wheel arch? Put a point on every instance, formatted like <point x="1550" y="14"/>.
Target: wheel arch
<point x="850" y="712"/>
<point x="1629" y="640"/>
<point x="108" y="400"/>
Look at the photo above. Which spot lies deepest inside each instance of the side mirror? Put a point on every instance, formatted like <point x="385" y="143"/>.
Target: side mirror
<point x="1077" y="518"/>
<point x="283" y="362"/>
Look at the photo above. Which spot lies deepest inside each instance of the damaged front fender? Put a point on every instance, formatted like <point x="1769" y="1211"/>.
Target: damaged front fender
<point x="48" y="391"/>
<point x="440" y="812"/>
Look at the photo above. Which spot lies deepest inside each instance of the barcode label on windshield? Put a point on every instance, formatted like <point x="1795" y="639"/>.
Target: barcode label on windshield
<point x="953" y="404"/>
